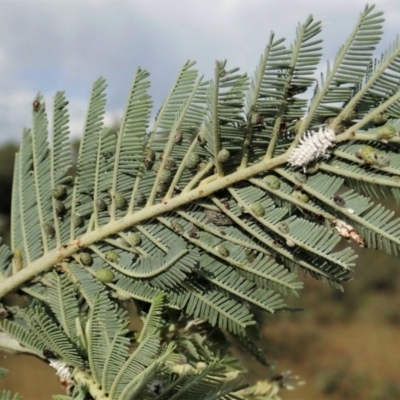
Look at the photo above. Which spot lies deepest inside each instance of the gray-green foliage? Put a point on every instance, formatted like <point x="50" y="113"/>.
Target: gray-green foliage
<point x="201" y="212"/>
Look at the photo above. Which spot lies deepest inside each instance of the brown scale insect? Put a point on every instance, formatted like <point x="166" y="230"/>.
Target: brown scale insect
<point x="178" y="137"/>
<point x="193" y="235"/>
<point x="201" y="139"/>
<point x="282" y="128"/>
<point x="319" y="217"/>
<point x="339" y="201"/>
<point x="149" y="158"/>
<point x="218" y="218"/>
<point x="291" y="91"/>
<point x="36" y="105"/>
<point x="226" y="205"/>
<point x="294" y="89"/>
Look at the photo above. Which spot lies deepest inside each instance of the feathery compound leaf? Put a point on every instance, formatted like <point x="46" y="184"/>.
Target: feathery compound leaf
<point x="25" y="214"/>
<point x="263" y="97"/>
<point x="141" y="357"/>
<point x="350" y="63"/>
<point x="267" y="82"/>
<point x="63" y="302"/>
<point x="94" y="293"/>
<point x="5" y="256"/>
<point x="233" y="283"/>
<point x="375" y="226"/>
<point x="7" y="395"/>
<point x="205" y="382"/>
<point x="207" y="213"/>
<point x="24" y="334"/>
<point x="84" y="186"/>
<point x="380" y="82"/>
<point x="60" y="164"/>
<point x="172" y="104"/>
<point x="114" y="358"/>
<point x="298" y="76"/>
<point x="141" y="382"/>
<point x="225" y="104"/>
<point x="130" y="141"/>
<point x="41" y="166"/>
<point x="373" y="179"/>
<point x="152" y="321"/>
<point x="55" y="339"/>
<point x="99" y="334"/>
<point x="218" y="309"/>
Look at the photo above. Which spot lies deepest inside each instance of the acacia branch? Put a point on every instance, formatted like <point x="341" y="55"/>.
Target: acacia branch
<point x="56" y="256"/>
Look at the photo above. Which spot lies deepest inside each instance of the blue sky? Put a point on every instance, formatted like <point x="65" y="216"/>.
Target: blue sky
<point x="66" y="45"/>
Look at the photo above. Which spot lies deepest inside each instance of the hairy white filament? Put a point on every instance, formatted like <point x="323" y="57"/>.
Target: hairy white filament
<point x="62" y="369"/>
<point x="312" y="146"/>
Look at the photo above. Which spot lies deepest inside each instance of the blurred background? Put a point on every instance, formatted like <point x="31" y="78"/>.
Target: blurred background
<point x="343" y="345"/>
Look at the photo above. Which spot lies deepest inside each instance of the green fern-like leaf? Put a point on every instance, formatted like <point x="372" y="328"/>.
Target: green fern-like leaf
<point x="152" y="200"/>
<point x="204" y="212"/>
<point x="7" y="395"/>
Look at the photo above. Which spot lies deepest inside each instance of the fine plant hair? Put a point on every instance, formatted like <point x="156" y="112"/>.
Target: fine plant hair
<point x="239" y="188"/>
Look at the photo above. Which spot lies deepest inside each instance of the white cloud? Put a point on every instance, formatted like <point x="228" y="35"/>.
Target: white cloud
<point x="66" y="45"/>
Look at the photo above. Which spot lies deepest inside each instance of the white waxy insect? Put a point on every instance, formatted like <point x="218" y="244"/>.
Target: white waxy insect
<point x="312" y="146"/>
